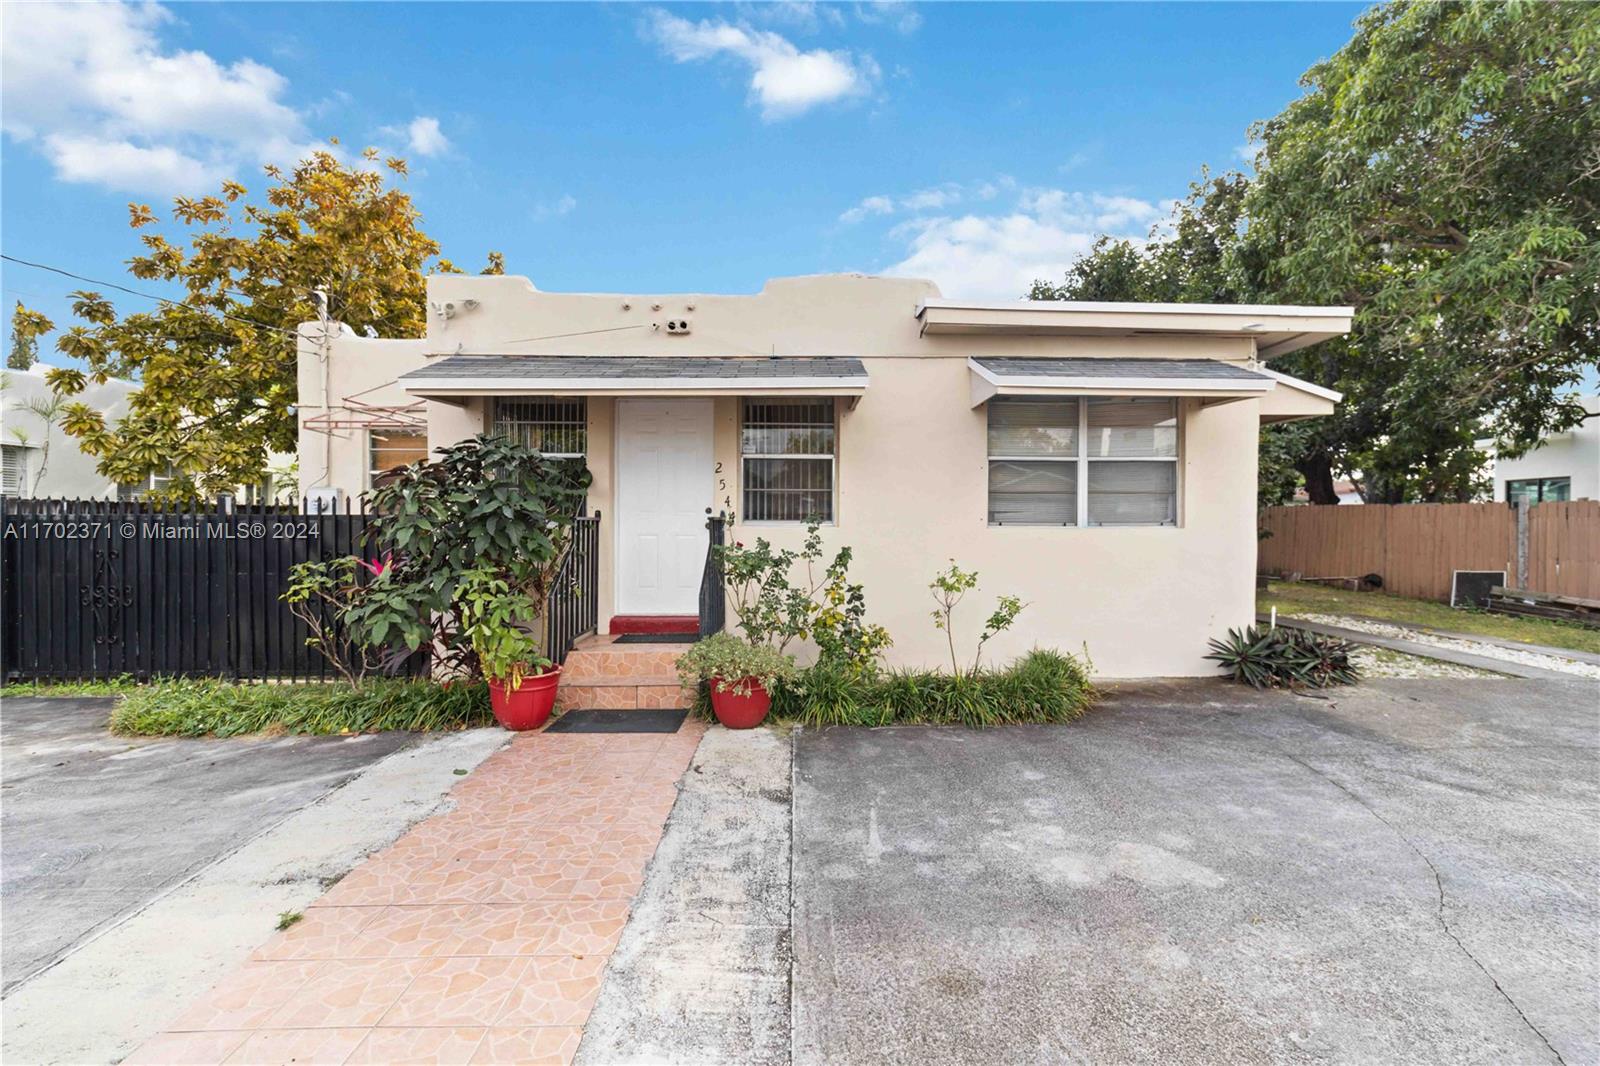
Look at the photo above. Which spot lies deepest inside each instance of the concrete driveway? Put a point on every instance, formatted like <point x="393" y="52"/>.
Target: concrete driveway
<point x="95" y="826"/>
<point x="1197" y="873"/>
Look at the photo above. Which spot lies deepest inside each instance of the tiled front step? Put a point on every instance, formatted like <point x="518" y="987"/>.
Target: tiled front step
<point x="600" y="674"/>
<point x="625" y="697"/>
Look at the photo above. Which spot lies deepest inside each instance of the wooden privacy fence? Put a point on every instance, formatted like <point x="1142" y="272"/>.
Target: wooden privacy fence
<point x="1416" y="547"/>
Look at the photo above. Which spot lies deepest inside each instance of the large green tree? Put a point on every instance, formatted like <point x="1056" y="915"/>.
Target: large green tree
<point x="1195" y="257"/>
<point x="1441" y="174"/>
<point x="217" y="365"/>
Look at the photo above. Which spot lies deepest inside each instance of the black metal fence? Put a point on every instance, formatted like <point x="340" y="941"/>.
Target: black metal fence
<point x="713" y="596"/>
<point x="106" y="588"/>
<point x="574" y="608"/>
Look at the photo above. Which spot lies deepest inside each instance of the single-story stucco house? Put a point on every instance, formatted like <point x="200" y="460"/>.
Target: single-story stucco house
<point x="1096" y="459"/>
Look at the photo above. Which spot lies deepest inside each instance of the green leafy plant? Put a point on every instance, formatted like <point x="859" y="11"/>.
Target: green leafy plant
<point x="500" y="622"/>
<point x="489" y="503"/>
<point x="1041" y="686"/>
<point x="193" y="708"/>
<point x="288" y="918"/>
<point x="1285" y="656"/>
<point x="949" y="588"/>
<point x="327" y="596"/>
<point x="729" y="664"/>
<point x="775" y="607"/>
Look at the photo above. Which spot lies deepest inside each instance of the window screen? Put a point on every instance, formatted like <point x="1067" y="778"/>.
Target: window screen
<point x="1077" y="461"/>
<point x="787" y="453"/>
<point x="1033" y="462"/>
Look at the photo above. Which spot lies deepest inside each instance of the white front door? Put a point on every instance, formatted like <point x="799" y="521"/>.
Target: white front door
<point x="664" y="485"/>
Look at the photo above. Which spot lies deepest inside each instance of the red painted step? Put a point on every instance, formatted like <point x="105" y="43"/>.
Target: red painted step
<point x="655" y="623"/>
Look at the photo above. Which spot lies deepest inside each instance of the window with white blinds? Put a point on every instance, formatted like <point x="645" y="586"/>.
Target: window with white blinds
<point x="14" y="473"/>
<point x="786" y="450"/>
<point x="1083" y="461"/>
<point x="558" y="426"/>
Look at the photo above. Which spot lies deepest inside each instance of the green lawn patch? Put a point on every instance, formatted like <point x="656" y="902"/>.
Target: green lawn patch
<point x="218" y="708"/>
<point x="1297" y="598"/>
<point x="1042" y="686"/>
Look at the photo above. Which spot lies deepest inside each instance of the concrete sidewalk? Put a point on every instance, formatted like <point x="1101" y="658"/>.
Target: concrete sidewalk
<point x="480" y="936"/>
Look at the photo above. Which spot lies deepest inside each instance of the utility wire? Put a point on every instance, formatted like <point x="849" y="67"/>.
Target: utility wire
<point x="148" y="296"/>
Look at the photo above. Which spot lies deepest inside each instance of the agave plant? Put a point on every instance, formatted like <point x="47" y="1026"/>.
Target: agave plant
<point x="1268" y="658"/>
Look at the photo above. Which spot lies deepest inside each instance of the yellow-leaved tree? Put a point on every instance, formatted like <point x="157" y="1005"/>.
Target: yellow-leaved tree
<point x="217" y="366"/>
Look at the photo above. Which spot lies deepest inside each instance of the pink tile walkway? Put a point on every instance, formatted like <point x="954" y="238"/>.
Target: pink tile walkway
<point x="478" y="937"/>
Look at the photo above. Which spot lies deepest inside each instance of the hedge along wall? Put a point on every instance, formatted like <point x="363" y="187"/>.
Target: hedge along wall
<point x="1417" y="546"/>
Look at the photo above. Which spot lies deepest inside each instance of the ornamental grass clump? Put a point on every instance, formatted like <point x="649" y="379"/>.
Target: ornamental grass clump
<point x="1042" y="686"/>
<point x="218" y="708"/>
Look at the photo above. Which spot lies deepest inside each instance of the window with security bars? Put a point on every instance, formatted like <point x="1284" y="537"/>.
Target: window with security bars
<point x="786" y="449"/>
<point x="556" y="426"/>
<point x="1083" y="461"/>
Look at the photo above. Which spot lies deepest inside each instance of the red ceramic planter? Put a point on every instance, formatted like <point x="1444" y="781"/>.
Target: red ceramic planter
<point x="527" y="706"/>
<point x="741" y="712"/>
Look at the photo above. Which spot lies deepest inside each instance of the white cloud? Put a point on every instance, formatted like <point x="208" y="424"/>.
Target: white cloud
<point x="872" y="205"/>
<point x="933" y="198"/>
<point x="122" y="165"/>
<point x="556" y="209"/>
<point x="783" y="80"/>
<point x="898" y="14"/>
<point x="998" y="256"/>
<point x="424" y="137"/>
<point x="805" y="16"/>
<point x="96" y="91"/>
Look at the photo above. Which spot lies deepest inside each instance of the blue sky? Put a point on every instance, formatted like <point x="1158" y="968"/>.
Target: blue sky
<point x="646" y="148"/>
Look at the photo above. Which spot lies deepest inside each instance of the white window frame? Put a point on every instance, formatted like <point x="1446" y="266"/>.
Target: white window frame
<point x="1083" y="459"/>
<point x="831" y="458"/>
<point x="373" y="434"/>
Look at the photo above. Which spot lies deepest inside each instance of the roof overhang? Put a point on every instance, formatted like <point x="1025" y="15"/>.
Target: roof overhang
<point x="1295" y="399"/>
<point x="1276" y="329"/>
<point x="456" y="378"/>
<point x="1208" y="379"/>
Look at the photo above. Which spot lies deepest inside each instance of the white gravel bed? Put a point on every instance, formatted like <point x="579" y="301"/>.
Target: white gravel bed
<point x="1382" y="662"/>
<point x="1471" y="647"/>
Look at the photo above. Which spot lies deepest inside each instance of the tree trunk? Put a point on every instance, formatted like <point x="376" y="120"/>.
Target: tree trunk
<point x="1317" y="469"/>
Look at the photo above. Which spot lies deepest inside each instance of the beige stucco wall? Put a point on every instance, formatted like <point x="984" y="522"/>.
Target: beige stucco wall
<point x="913" y="483"/>
<point x="912" y="468"/>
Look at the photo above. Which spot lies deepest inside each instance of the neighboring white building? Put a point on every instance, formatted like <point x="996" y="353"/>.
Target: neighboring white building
<point x="1566" y="466"/>
<point x="39" y="458"/>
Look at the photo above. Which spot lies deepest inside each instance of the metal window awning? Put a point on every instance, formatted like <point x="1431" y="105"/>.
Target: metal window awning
<point x="1209" y="379"/>
<point x="457" y="377"/>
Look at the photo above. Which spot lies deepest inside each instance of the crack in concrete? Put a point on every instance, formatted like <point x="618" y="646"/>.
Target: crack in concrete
<point x="794" y="803"/>
<point x="1439" y="913"/>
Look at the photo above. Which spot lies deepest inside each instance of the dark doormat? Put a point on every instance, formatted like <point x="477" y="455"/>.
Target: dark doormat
<point x="658" y="638"/>
<point x="659" y="721"/>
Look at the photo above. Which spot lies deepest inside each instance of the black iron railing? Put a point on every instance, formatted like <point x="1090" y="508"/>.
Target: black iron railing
<point x="573" y="608"/>
<point x="713" y="597"/>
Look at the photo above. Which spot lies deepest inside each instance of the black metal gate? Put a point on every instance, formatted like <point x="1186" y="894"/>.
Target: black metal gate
<point x="105" y="588"/>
